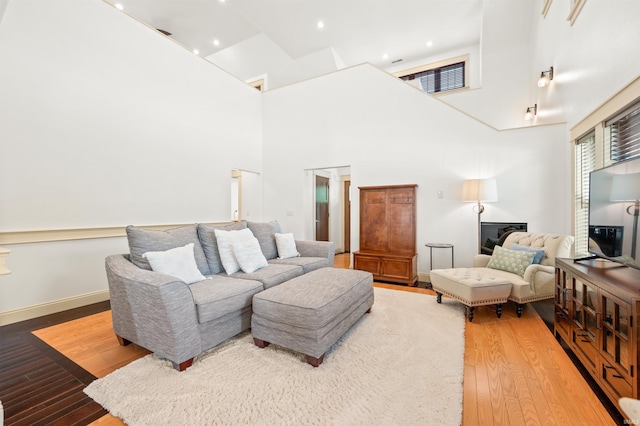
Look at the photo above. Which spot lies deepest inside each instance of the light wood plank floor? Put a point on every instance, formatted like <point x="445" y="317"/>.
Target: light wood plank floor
<point x="516" y="373"/>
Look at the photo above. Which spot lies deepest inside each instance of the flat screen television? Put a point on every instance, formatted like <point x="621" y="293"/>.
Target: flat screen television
<point x="614" y="205"/>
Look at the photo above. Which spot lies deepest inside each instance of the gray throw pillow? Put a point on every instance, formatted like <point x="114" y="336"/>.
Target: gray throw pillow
<point x="265" y="233"/>
<point x="144" y="240"/>
<point x="210" y="243"/>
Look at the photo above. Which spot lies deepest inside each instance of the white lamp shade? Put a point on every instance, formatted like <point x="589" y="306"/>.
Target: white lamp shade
<point x="625" y="187"/>
<point x="475" y="190"/>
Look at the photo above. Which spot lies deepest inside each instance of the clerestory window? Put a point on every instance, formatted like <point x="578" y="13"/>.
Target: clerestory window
<point x="440" y="79"/>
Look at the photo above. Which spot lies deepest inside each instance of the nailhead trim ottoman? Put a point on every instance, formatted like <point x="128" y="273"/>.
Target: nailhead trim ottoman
<point x="471" y="287"/>
<point x="309" y="313"/>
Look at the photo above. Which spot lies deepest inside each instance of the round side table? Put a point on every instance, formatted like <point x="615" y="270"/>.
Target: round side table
<point x="438" y="245"/>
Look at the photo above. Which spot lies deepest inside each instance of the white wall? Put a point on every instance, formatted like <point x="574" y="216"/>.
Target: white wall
<point x="105" y="122"/>
<point x="391" y="133"/>
<point x="259" y="55"/>
<point x="593" y="59"/>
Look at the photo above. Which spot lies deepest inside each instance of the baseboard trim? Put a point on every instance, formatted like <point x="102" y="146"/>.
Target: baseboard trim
<point x="424" y="277"/>
<point x="53" y="307"/>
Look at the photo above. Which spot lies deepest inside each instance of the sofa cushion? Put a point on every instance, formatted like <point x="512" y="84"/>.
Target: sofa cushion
<point x="272" y="275"/>
<point x="308" y="264"/>
<point x="226" y="240"/>
<point x="513" y="261"/>
<point x="209" y="243"/>
<point x="286" y="245"/>
<point x="144" y="240"/>
<point x="178" y="262"/>
<point x="265" y="233"/>
<point x="220" y="295"/>
<point x="248" y="255"/>
<point x="539" y="253"/>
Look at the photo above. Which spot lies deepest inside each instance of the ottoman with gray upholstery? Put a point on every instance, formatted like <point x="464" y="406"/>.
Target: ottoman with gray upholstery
<point x="309" y="313"/>
<point x="471" y="287"/>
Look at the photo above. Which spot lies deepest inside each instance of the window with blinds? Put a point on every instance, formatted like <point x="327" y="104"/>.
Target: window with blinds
<point x="440" y="79"/>
<point x="623" y="134"/>
<point x="585" y="162"/>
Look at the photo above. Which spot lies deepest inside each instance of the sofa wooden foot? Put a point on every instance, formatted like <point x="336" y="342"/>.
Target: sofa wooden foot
<point x="499" y="309"/>
<point x="368" y="310"/>
<point x="183" y="365"/>
<point x="438" y="297"/>
<point x="122" y="341"/>
<point x="470" y="310"/>
<point x="519" y="309"/>
<point x="315" y="361"/>
<point x="260" y="343"/>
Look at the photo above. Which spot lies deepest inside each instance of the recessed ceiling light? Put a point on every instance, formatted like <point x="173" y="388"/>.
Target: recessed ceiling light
<point x="429" y="43"/>
<point x="320" y="25"/>
<point x="216" y="42"/>
<point x="119" y="6"/>
<point x="385" y="56"/>
<point x="196" y="51"/>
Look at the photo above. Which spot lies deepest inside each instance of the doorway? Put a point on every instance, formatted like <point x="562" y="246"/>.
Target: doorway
<point x="245" y="194"/>
<point x="328" y="194"/>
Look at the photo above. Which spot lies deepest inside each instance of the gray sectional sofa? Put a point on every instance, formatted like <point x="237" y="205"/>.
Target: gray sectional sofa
<point x="178" y="321"/>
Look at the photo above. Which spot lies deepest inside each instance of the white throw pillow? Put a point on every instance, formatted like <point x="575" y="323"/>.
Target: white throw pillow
<point x="286" y="246"/>
<point x="225" y="240"/>
<point x="179" y="262"/>
<point x="249" y="255"/>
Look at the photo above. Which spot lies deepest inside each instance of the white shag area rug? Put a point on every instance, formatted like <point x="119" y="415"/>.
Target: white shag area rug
<point x="401" y="364"/>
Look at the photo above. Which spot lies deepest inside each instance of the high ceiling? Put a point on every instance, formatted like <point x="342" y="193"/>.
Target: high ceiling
<point x="357" y="30"/>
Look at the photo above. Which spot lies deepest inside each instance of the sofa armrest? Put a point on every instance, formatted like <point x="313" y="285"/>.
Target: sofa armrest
<point x="481" y="260"/>
<point x="153" y="310"/>
<point x="541" y="278"/>
<point x="326" y="249"/>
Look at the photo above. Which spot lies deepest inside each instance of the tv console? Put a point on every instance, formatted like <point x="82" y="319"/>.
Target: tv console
<point x="597" y="314"/>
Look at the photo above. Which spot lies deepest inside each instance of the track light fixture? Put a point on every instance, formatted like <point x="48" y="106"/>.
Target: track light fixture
<point x="531" y="111"/>
<point x="545" y="77"/>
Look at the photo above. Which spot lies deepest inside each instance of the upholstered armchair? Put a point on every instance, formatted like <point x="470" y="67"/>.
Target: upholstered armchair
<point x="538" y="280"/>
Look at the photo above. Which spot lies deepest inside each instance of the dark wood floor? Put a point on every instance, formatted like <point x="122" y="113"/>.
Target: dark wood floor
<point x="39" y="385"/>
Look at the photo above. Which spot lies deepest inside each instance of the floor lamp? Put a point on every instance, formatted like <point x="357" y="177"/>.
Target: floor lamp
<point x="626" y="188"/>
<point x="479" y="191"/>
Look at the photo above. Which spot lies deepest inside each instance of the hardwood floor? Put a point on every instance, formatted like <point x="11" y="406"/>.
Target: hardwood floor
<point x="516" y="373"/>
<point x="38" y="385"/>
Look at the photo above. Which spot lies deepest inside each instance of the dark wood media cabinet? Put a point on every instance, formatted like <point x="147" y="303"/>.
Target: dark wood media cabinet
<point x="597" y="314"/>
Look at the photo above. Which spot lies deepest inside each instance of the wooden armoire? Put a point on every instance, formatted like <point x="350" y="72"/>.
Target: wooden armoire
<point x="388" y="233"/>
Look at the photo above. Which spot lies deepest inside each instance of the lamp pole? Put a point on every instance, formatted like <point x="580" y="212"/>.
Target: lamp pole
<point x="636" y="213"/>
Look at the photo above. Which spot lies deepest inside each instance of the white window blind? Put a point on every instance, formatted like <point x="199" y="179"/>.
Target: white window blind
<point x="624" y="134"/>
<point x="585" y="162"/>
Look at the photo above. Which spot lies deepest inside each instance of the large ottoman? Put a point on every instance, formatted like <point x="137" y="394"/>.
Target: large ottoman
<point x="309" y="313"/>
<point x="471" y="287"/>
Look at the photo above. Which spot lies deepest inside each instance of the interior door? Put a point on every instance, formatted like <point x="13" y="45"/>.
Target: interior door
<point x="347" y="216"/>
<point x="322" y="208"/>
